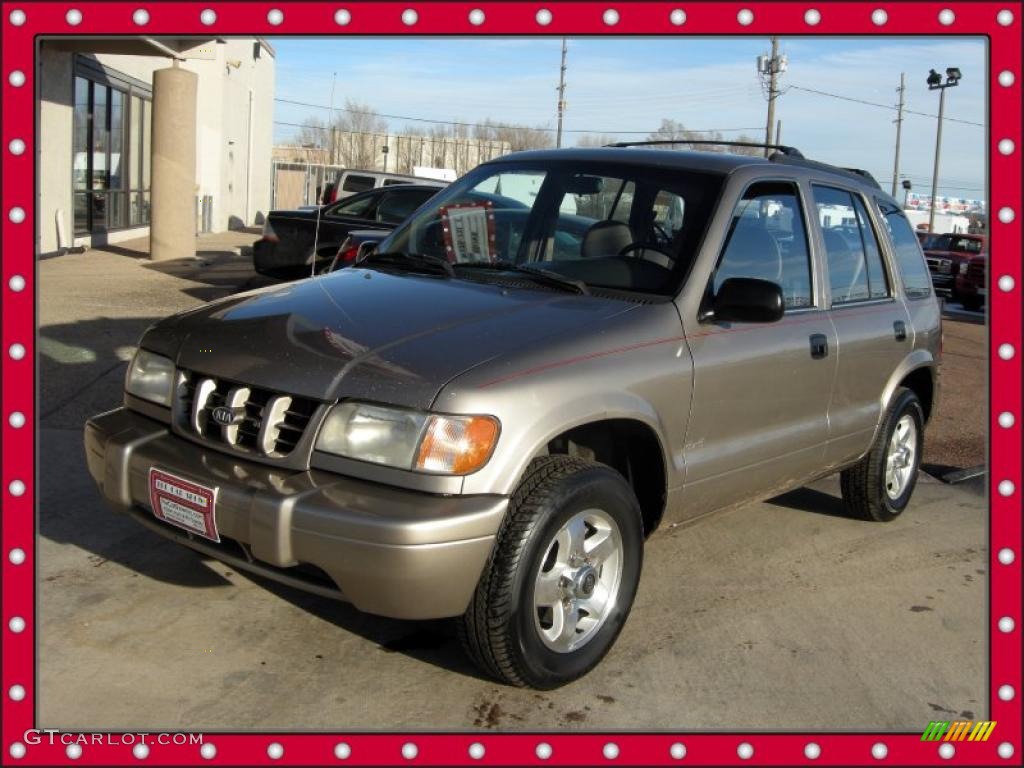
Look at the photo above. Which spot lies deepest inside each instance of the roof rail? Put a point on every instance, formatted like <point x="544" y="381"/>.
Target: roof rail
<point x="857" y="173"/>
<point x="788" y="151"/>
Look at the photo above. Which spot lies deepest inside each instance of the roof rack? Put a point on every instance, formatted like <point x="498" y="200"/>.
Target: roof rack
<point x="857" y="173"/>
<point x="788" y="151"/>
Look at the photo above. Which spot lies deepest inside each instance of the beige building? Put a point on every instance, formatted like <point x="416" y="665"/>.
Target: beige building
<point x="134" y="133"/>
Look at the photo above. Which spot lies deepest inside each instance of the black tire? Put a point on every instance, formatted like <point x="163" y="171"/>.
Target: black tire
<point x="972" y="303"/>
<point x="499" y="630"/>
<point x="864" y="485"/>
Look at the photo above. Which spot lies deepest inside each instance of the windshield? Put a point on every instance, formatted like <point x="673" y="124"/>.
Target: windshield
<point x="612" y="226"/>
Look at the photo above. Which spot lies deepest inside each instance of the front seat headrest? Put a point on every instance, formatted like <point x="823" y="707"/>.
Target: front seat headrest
<point x="605" y="238"/>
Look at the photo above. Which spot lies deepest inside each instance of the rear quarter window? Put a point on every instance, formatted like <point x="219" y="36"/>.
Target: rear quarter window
<point x="354" y="183"/>
<point x="917" y="283"/>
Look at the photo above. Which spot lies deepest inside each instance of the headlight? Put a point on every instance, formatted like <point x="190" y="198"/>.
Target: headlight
<point x="150" y="377"/>
<point x="424" y="442"/>
<point x="963" y="267"/>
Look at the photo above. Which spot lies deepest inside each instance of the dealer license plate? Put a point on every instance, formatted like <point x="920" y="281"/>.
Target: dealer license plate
<point x="183" y="503"/>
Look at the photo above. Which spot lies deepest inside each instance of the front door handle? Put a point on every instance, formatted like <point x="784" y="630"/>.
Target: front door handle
<point x="819" y="346"/>
<point x="900" y="329"/>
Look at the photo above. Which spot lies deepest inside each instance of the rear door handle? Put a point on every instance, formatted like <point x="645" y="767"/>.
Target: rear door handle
<point x="900" y="329"/>
<point x="819" y="346"/>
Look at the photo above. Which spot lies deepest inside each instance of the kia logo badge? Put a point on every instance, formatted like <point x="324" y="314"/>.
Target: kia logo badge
<point x="226" y="416"/>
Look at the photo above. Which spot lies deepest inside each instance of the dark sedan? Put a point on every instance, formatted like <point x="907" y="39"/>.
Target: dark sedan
<point x="291" y="244"/>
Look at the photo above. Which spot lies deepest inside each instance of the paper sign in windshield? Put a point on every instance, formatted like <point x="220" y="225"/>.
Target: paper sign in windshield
<point x="469" y="231"/>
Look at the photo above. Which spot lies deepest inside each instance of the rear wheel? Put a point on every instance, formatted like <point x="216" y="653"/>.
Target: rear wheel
<point x="972" y="303"/>
<point x="559" y="584"/>
<point x="880" y="485"/>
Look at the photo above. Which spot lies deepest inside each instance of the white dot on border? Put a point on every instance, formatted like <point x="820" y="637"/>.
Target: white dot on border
<point x="17" y="214"/>
<point x="410" y="750"/>
<point x="208" y="751"/>
<point x="879" y="751"/>
<point x="1006" y="215"/>
<point x="1005" y="750"/>
<point x="1006" y="283"/>
<point x="477" y="17"/>
<point x="1006" y="146"/>
<point x="16" y="147"/>
<point x="1006" y="624"/>
<point x="610" y="17"/>
<point x="1006" y="351"/>
<point x="677" y="751"/>
<point x="17" y="750"/>
<point x="946" y="751"/>
<point x="16" y="692"/>
<point x="1006" y="420"/>
<point x="275" y="16"/>
<point x="1006" y="693"/>
<point x="73" y="751"/>
<point x="812" y="751"/>
<point x="812" y="17"/>
<point x="677" y="17"/>
<point x="208" y="16"/>
<point x="16" y="78"/>
<point x="879" y="17"/>
<point x="140" y="751"/>
<point x="610" y="751"/>
<point x="342" y="751"/>
<point x="141" y="19"/>
<point x="410" y="17"/>
<point x="544" y="17"/>
<point x="342" y="17"/>
<point x="1006" y="78"/>
<point x="1006" y="488"/>
<point x="1006" y="556"/>
<point x="17" y="283"/>
<point x="543" y="750"/>
<point x="16" y="352"/>
<point x="16" y="419"/>
<point x="16" y="625"/>
<point x="745" y="751"/>
<point x="73" y="17"/>
<point x="476" y="750"/>
<point x="1005" y="17"/>
<point x="17" y="17"/>
<point x="17" y="556"/>
<point x="275" y="751"/>
<point x="17" y="488"/>
<point x="745" y="16"/>
<point x="946" y="17"/>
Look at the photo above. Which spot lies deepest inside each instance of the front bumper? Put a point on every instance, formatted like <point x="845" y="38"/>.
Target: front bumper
<point x="388" y="551"/>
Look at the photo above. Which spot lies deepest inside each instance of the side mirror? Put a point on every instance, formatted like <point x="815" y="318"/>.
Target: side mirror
<point x="748" y="300"/>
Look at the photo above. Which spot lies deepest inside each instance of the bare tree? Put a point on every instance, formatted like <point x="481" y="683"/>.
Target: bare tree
<point x="312" y="133"/>
<point x="595" y="140"/>
<point x="360" y="128"/>
<point x="672" y="130"/>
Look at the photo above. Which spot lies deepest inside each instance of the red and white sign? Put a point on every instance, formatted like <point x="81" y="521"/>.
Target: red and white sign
<point x="183" y="503"/>
<point x="469" y="231"/>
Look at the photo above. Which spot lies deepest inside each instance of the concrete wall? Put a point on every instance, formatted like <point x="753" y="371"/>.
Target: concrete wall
<point x="233" y="153"/>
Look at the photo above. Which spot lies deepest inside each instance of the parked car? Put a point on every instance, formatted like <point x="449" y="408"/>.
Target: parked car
<point x="348" y="182"/>
<point x="946" y="253"/>
<point x="291" y="241"/>
<point x="487" y="416"/>
<point x="970" y="283"/>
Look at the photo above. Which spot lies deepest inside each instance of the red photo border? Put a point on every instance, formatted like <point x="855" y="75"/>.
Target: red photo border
<point x="999" y="22"/>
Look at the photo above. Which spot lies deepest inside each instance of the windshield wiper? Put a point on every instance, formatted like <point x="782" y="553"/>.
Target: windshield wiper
<point x="416" y="260"/>
<point x="545" y="276"/>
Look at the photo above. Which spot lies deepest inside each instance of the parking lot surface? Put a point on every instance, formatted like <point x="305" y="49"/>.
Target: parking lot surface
<point x="780" y="615"/>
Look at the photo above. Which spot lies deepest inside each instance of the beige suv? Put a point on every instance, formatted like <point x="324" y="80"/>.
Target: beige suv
<point x="564" y="350"/>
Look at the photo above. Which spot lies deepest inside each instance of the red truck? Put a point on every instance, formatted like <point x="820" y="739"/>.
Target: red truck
<point x="946" y="253"/>
<point x="970" y="283"/>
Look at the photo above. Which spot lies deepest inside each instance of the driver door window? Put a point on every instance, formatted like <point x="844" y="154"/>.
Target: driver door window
<point x="767" y="240"/>
<point x="359" y="208"/>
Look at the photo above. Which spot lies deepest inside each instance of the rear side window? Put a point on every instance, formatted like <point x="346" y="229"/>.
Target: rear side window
<point x="917" y="283"/>
<point x="358" y="208"/>
<point x="849" y="241"/>
<point x="878" y="284"/>
<point x="393" y="182"/>
<point x="397" y="206"/>
<point x="768" y="241"/>
<point x="353" y="183"/>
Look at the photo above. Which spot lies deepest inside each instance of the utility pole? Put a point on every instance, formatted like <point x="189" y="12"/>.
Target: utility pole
<point x="778" y="131"/>
<point x="899" y="127"/>
<point x="935" y="84"/>
<point x="561" y="96"/>
<point x="770" y="67"/>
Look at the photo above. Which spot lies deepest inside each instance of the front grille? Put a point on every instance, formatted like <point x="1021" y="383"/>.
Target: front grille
<point x="976" y="271"/>
<point x="940" y="266"/>
<point x="252" y="420"/>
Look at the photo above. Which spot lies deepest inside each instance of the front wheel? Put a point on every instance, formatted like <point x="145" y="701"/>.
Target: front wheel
<point x="559" y="584"/>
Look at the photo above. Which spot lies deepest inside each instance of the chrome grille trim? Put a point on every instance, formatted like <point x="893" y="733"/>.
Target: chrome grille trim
<point x="273" y="416"/>
<point x="236" y="399"/>
<point x="200" y="398"/>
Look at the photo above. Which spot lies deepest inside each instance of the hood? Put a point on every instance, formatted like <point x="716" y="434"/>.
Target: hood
<point x="393" y="338"/>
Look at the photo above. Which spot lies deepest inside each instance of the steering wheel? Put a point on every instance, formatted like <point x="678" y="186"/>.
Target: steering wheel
<point x="660" y="232"/>
<point x="640" y="246"/>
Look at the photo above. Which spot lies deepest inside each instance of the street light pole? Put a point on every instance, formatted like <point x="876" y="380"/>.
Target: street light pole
<point x="561" y="96"/>
<point x="935" y="84"/>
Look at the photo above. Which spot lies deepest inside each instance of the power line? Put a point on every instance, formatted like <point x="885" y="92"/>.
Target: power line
<point x="882" y="106"/>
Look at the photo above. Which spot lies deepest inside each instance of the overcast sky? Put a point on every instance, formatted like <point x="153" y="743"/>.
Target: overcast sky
<point x="621" y="85"/>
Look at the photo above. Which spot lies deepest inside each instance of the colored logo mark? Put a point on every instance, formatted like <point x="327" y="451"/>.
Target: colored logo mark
<point x="959" y="730"/>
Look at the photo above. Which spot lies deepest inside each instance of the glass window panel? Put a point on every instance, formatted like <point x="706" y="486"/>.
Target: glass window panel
<point x="117" y="116"/>
<point x="80" y="137"/>
<point x="134" y="145"/>
<point x="81" y="212"/>
<point x="100" y="137"/>
<point x="917" y="282"/>
<point x="847" y="267"/>
<point x="147" y="137"/>
<point x="877" y="282"/>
